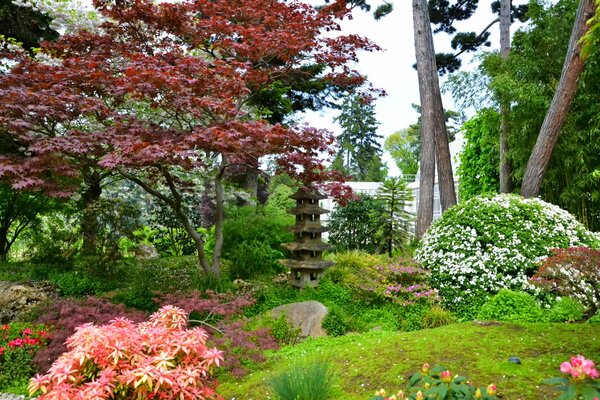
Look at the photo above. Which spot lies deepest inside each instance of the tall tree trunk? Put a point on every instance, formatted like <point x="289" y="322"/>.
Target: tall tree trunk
<point x="505" y="164"/>
<point x="219" y="216"/>
<point x="89" y="220"/>
<point x="433" y="128"/>
<point x="557" y="113"/>
<point x="422" y="31"/>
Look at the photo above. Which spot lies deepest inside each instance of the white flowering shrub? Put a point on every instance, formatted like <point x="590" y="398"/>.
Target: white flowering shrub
<point x="486" y="244"/>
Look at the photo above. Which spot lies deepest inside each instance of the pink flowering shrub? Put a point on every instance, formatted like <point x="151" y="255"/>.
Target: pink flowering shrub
<point x="404" y="283"/>
<point x="221" y="316"/>
<point x="581" y="381"/>
<point x="158" y="359"/>
<point x="18" y="345"/>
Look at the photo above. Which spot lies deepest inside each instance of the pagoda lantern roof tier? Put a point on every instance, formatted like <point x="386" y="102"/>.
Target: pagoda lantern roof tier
<point x="308" y="228"/>
<point x="308" y="194"/>
<point x="307" y="209"/>
<point x="314" y="246"/>
<point x="312" y="265"/>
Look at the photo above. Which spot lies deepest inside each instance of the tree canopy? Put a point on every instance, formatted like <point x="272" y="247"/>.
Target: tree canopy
<point x="162" y="91"/>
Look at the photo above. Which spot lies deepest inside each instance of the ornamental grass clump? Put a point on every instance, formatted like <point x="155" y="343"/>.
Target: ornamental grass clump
<point x="158" y="359"/>
<point x="486" y="244"/>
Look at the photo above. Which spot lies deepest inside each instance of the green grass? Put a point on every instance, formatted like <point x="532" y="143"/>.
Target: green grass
<point x="364" y="363"/>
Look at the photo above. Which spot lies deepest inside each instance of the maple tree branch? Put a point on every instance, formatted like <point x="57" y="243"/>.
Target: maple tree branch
<point x="145" y="186"/>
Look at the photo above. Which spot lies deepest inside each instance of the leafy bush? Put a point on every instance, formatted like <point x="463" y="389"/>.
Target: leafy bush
<point x="436" y="316"/>
<point x="310" y="380"/>
<point x="124" y="360"/>
<point x="486" y="244"/>
<point x="513" y="307"/>
<point x="252" y="238"/>
<point x="64" y="315"/>
<point x="18" y="344"/>
<point x="572" y="272"/>
<point x="335" y="322"/>
<point x="283" y="331"/>
<point x="566" y="310"/>
<point x="439" y="383"/>
<point x="219" y="314"/>
<point x="353" y="228"/>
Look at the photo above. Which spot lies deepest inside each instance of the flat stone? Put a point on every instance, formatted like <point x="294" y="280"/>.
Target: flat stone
<point x="307" y="315"/>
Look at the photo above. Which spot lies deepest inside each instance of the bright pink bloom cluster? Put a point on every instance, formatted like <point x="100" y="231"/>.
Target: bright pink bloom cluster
<point x="579" y="368"/>
<point x="123" y="360"/>
<point x="15" y="338"/>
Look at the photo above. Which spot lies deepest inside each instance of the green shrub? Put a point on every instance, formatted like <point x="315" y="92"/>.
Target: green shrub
<point x="436" y="316"/>
<point x="566" y="310"/>
<point x="486" y="244"/>
<point x="75" y="283"/>
<point x="252" y="240"/>
<point x="283" y="331"/>
<point x="309" y="380"/>
<point x="512" y="307"/>
<point x="595" y="319"/>
<point x="336" y="322"/>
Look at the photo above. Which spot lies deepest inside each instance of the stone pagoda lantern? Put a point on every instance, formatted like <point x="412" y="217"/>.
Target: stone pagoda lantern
<point x="307" y="264"/>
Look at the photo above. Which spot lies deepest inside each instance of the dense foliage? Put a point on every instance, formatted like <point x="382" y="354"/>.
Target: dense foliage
<point x="486" y="244"/>
<point x="18" y="344"/>
<point x="252" y="240"/>
<point x="124" y="360"/>
<point x="354" y="227"/>
<point x="572" y="272"/>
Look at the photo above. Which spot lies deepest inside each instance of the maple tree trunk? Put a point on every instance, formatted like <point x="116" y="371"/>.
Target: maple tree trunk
<point x="4" y="245"/>
<point x="219" y="211"/>
<point x="505" y="164"/>
<point x="427" y="75"/>
<point x="557" y="113"/>
<point x="89" y="221"/>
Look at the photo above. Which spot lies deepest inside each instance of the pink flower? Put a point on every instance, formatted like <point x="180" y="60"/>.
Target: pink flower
<point x="579" y="368"/>
<point x="446" y="376"/>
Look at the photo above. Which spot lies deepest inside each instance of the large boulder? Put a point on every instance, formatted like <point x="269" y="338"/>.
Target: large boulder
<point x="16" y="298"/>
<point x="307" y="315"/>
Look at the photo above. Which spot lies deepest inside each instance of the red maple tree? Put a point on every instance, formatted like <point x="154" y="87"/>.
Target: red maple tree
<point x="161" y="93"/>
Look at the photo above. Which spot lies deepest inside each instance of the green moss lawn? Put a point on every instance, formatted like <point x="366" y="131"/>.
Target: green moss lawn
<point x="366" y="362"/>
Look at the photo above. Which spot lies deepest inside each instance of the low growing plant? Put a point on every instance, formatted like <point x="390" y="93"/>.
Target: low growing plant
<point x="439" y="383"/>
<point x="512" y="306"/>
<point x="581" y="381"/>
<point x="572" y="272"/>
<point x="65" y="315"/>
<point x="123" y="360"/>
<point x="18" y="345"/>
<point x="566" y="310"/>
<point x="309" y="380"/>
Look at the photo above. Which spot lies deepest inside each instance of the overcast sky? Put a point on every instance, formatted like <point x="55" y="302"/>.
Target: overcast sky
<point x="392" y="69"/>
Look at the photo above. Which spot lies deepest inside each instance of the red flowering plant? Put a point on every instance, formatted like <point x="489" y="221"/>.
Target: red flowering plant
<point x="580" y="382"/>
<point x="158" y="359"/>
<point x="18" y="345"/>
<point x="572" y="272"/>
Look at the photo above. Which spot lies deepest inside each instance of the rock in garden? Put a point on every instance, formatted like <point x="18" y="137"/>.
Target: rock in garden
<point x="16" y="298"/>
<point x="146" y="252"/>
<point x="307" y="315"/>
